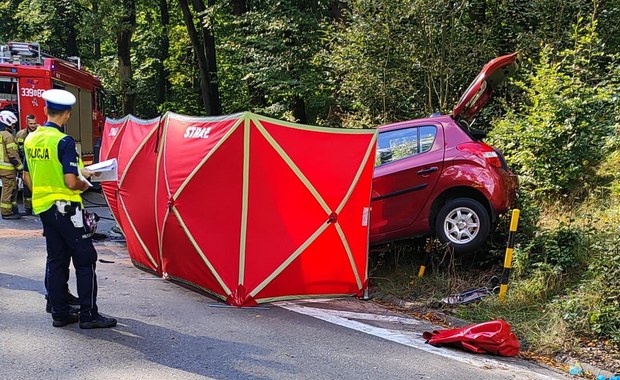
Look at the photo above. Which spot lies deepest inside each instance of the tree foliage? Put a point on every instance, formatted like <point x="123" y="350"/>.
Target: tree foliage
<point x="268" y="59"/>
<point x="333" y="62"/>
<point x="556" y="139"/>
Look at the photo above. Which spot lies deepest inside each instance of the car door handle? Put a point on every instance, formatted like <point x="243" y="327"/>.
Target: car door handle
<point x="428" y="170"/>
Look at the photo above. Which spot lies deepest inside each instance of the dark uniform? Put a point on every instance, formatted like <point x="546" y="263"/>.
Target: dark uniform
<point x="10" y="165"/>
<point x="50" y="155"/>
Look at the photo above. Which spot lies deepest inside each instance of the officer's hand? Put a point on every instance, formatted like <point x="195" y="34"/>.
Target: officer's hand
<point x="89" y="173"/>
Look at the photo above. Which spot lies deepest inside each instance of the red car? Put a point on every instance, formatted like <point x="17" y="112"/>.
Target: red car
<point x="436" y="176"/>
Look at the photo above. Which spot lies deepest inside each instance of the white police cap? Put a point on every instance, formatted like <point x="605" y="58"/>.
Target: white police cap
<point x="58" y="99"/>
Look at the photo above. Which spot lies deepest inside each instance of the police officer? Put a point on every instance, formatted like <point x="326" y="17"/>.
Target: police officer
<point x="20" y="137"/>
<point x="10" y="164"/>
<point x="53" y="172"/>
<point x="31" y="126"/>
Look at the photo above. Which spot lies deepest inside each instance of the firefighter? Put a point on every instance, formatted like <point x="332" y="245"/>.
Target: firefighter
<point x="53" y="172"/>
<point x="10" y="164"/>
<point x="31" y="126"/>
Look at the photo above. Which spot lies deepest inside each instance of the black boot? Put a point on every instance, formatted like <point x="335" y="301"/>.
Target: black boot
<point x="73" y="301"/>
<point x="12" y="216"/>
<point x="67" y="320"/>
<point x="100" y="322"/>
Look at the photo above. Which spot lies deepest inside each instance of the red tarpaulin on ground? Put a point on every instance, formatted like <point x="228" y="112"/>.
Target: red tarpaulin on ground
<point x="248" y="208"/>
<point x="493" y="337"/>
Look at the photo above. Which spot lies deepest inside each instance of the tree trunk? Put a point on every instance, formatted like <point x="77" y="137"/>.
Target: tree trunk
<point x="68" y="31"/>
<point x="256" y="94"/>
<point x="123" y="40"/>
<point x="214" y="91"/>
<point x="72" y="45"/>
<point x="162" y="72"/>
<point x="208" y="47"/>
<point x="299" y="110"/>
<point x="199" y="53"/>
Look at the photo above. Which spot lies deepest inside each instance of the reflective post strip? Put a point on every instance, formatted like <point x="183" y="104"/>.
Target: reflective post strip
<point x="4" y="165"/>
<point x="427" y="255"/>
<point x="514" y="222"/>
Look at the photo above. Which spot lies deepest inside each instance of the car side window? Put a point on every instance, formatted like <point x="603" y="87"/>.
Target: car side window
<point x="427" y="138"/>
<point x="402" y="143"/>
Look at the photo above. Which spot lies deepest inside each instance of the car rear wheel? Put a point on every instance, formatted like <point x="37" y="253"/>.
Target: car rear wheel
<point x="463" y="224"/>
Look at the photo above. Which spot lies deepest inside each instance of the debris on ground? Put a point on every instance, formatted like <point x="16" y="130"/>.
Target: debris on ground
<point x="473" y="295"/>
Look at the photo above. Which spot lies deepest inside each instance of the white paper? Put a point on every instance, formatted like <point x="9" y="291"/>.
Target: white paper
<point x="103" y="165"/>
<point x="106" y="171"/>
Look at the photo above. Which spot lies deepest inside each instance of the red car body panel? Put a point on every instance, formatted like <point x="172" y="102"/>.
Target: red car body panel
<point x="395" y="197"/>
<point x="408" y="192"/>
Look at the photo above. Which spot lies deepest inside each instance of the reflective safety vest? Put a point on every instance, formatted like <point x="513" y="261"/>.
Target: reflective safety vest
<point x="7" y="144"/>
<point x="46" y="174"/>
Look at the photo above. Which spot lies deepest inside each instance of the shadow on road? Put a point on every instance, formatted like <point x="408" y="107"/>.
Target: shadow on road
<point x="14" y="282"/>
<point x="201" y="355"/>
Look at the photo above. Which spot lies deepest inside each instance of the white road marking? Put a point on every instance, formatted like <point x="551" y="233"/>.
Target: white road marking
<point x="344" y="319"/>
<point x="364" y="316"/>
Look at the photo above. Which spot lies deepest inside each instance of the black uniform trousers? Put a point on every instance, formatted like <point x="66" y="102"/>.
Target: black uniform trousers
<point x="67" y="243"/>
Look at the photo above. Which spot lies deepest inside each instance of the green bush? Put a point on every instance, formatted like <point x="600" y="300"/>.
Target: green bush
<point x="563" y="142"/>
<point x="563" y="248"/>
<point x="604" y="318"/>
<point x="592" y="308"/>
<point x="558" y="136"/>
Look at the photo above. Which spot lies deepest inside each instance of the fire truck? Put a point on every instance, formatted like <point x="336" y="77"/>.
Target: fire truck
<point x="26" y="71"/>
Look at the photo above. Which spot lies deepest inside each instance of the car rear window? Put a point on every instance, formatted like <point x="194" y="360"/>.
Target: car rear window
<point x="405" y="142"/>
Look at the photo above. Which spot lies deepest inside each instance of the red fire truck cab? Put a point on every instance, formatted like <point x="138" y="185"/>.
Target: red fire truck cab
<point x="26" y="71"/>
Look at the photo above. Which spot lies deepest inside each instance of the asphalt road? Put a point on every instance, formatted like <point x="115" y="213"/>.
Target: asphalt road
<point x="168" y="332"/>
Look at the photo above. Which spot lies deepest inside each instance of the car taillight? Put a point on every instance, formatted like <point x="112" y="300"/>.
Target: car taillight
<point x="481" y="150"/>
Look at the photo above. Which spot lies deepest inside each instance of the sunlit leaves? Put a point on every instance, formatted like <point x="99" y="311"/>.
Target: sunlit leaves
<point x="558" y="137"/>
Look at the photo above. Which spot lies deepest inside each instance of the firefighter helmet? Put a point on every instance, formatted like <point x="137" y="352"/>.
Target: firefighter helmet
<point x="8" y="117"/>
